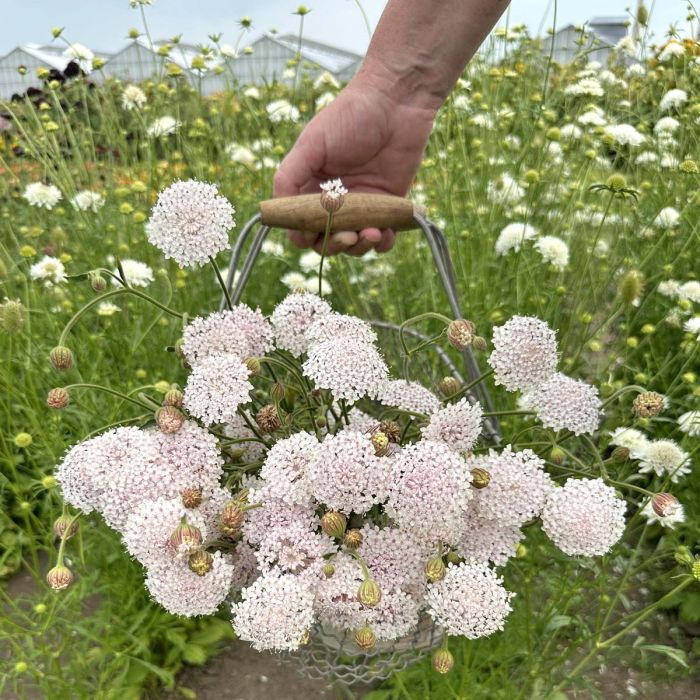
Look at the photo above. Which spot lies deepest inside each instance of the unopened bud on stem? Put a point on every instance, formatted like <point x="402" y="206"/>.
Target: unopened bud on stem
<point x="461" y="333"/>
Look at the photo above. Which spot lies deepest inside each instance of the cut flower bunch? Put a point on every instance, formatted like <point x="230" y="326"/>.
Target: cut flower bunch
<point x="295" y="478"/>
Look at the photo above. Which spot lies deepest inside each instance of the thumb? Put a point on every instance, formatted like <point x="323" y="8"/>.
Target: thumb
<point x="298" y="171"/>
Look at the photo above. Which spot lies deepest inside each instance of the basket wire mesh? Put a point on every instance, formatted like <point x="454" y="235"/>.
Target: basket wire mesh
<point x="333" y="654"/>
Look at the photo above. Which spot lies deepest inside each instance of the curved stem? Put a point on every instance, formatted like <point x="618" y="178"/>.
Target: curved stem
<point x="326" y="236"/>
<point x="113" y="392"/>
<point x="222" y="284"/>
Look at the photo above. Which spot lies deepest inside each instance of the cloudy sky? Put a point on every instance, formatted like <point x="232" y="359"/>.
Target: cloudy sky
<point x="103" y="24"/>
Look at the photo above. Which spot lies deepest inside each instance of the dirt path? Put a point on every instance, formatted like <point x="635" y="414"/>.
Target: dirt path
<point x="240" y="673"/>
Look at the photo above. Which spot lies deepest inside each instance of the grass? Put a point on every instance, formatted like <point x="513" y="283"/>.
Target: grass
<point x="103" y="637"/>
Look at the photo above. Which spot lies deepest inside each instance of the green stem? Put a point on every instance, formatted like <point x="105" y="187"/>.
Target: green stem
<point x="109" y="391"/>
<point x="326" y="236"/>
<point x="222" y="284"/>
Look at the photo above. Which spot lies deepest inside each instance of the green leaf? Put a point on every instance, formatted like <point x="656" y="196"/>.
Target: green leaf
<point x="678" y="655"/>
<point x="210" y="634"/>
<point x="690" y="607"/>
<point x="558" y="621"/>
<point x="194" y="654"/>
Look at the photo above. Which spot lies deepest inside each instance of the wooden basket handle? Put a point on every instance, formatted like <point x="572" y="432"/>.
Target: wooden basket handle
<point x="360" y="210"/>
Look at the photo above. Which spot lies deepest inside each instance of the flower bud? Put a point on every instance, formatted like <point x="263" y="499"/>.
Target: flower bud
<point x="620" y="454"/>
<point x="448" y="386"/>
<point x="332" y="195"/>
<point x="443" y="661"/>
<point x="169" y="419"/>
<point x="60" y="577"/>
<point x="352" y="539"/>
<point x="231" y="519"/>
<point x="186" y="536"/>
<point x="683" y="556"/>
<point x="648" y="404"/>
<point x="460" y="333"/>
<point x="631" y="286"/>
<point x="66" y="526"/>
<point x="480" y="478"/>
<point x="277" y="392"/>
<point x="61" y="357"/>
<point x="392" y="430"/>
<point x="253" y="365"/>
<point x="200" y="561"/>
<point x="453" y="557"/>
<point x="173" y="397"/>
<point x="480" y="343"/>
<point x="268" y="419"/>
<point x="365" y="638"/>
<point x="333" y="524"/>
<point x="12" y="316"/>
<point x="328" y="569"/>
<point x="369" y="593"/>
<point x="97" y="282"/>
<point x="557" y="455"/>
<point x="58" y="398"/>
<point x="435" y="569"/>
<point x="664" y="504"/>
<point x="191" y="497"/>
<point x="380" y="442"/>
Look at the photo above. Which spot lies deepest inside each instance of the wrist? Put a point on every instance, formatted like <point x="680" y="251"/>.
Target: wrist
<point x="404" y="83"/>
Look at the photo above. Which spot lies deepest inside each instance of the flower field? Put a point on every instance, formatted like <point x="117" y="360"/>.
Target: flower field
<point x="179" y="470"/>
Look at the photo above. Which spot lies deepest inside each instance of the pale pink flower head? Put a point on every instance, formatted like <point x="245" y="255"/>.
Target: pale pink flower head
<point x="563" y="403"/>
<point x="239" y="331"/>
<point x="524" y="353"/>
<point x="350" y="369"/>
<point x="275" y="613"/>
<point x="430" y="490"/>
<point x="274" y="514"/>
<point x="285" y="469"/>
<point x="334" y="326"/>
<point x="395" y="558"/>
<point x="518" y="486"/>
<point x="190" y="222"/>
<point x="346" y="475"/>
<point x="458" y="425"/>
<point x="148" y="530"/>
<point x="294" y="549"/>
<point x="292" y="319"/>
<point x="409" y="396"/>
<point x="470" y="601"/>
<point x="485" y="541"/>
<point x="182" y="592"/>
<point x="584" y="517"/>
<point x="216" y="388"/>
<point x="116" y="467"/>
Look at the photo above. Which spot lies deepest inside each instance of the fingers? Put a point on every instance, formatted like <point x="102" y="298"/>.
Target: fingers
<point x="349" y="242"/>
<point x="337" y="242"/>
<point x="387" y="242"/>
<point x="302" y="239"/>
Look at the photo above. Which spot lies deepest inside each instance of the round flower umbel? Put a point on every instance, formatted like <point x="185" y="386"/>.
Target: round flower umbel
<point x="563" y="403"/>
<point x="485" y="541"/>
<point x="285" y="470"/>
<point x="457" y="425"/>
<point x="584" y="517"/>
<point x="216" y="388"/>
<point x="294" y="317"/>
<point x="350" y="369"/>
<point x="190" y="222"/>
<point x="239" y="331"/>
<point x="409" y="396"/>
<point x="517" y="489"/>
<point x="524" y="353"/>
<point x="430" y="490"/>
<point x="346" y="475"/>
<point x="470" y="601"/>
<point x="275" y="613"/>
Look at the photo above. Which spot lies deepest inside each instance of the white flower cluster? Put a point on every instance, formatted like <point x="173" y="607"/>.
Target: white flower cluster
<point x="524" y="358"/>
<point x="332" y="516"/>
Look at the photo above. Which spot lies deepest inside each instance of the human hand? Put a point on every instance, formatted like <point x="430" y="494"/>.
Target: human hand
<point x="373" y="142"/>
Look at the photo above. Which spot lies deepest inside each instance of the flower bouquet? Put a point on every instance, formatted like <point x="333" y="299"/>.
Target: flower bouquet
<point x="295" y="479"/>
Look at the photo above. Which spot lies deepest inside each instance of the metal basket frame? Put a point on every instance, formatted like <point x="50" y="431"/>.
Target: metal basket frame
<point x="437" y="243"/>
<point x="332" y="654"/>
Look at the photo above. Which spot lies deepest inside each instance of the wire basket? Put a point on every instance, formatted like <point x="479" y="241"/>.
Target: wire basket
<point x="332" y="654"/>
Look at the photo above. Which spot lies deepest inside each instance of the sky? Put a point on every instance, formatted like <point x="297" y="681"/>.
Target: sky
<point x="104" y="24"/>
